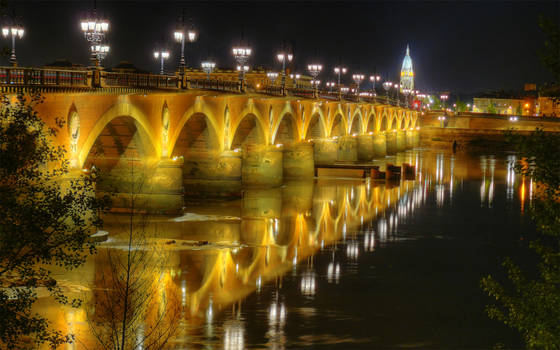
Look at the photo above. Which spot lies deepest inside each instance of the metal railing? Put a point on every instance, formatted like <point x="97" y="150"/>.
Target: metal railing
<point x="15" y="76"/>
<point x="214" y="84"/>
<point x="145" y="81"/>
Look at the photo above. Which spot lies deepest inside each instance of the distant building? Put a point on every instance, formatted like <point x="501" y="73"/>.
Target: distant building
<point x="407" y="74"/>
<point x="548" y="107"/>
<point x="498" y="105"/>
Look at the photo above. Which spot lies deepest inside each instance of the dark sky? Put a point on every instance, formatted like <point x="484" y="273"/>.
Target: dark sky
<point x="463" y="47"/>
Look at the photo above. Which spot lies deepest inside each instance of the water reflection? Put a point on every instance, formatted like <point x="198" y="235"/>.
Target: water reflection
<point x="249" y="245"/>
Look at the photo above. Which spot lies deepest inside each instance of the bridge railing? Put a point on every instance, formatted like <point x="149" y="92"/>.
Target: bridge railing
<point x="15" y="76"/>
<point x="134" y="80"/>
<point x="214" y="84"/>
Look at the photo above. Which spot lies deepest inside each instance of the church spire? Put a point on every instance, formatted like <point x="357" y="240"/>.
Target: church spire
<point x="407" y="74"/>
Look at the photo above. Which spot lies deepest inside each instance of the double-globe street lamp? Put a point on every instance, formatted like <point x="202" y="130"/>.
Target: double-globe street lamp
<point x="339" y="71"/>
<point x="181" y="35"/>
<point x="283" y="58"/>
<point x="315" y="70"/>
<point x="387" y="85"/>
<point x="241" y="55"/>
<point x="295" y="78"/>
<point x="374" y="79"/>
<point x="161" y="55"/>
<point x="444" y="98"/>
<point x="95" y="28"/>
<point x="15" y="31"/>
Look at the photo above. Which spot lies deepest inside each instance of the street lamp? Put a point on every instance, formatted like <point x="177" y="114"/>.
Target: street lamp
<point x="406" y="92"/>
<point x="283" y="58"/>
<point x="387" y="85"/>
<point x="442" y="120"/>
<point x="161" y="55"/>
<point x="94" y="29"/>
<point x="339" y="71"/>
<point x="396" y="86"/>
<point x="272" y="76"/>
<point x="241" y="55"/>
<point x="358" y="78"/>
<point x="330" y="85"/>
<point x="373" y="79"/>
<point x="181" y="35"/>
<point x="100" y="51"/>
<point x="14" y="31"/>
<point x="314" y="70"/>
<point x="208" y="67"/>
<point x="444" y="98"/>
<point x="294" y="78"/>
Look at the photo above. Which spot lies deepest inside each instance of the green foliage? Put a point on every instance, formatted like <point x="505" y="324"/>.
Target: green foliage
<point x="434" y="100"/>
<point x="519" y="109"/>
<point x="461" y="106"/>
<point x="532" y="305"/>
<point x="46" y="220"/>
<point x="491" y="108"/>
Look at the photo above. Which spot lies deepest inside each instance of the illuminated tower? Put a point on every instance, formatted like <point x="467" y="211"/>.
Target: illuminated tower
<point x="407" y="74"/>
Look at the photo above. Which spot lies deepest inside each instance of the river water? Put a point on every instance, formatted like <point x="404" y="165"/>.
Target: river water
<point x="334" y="263"/>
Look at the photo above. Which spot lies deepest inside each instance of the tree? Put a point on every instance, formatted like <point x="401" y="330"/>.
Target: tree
<point x="491" y="108"/>
<point x="461" y="106"/>
<point x="44" y="223"/>
<point x="550" y="54"/>
<point x="131" y="308"/>
<point x="531" y="304"/>
<point x="519" y="109"/>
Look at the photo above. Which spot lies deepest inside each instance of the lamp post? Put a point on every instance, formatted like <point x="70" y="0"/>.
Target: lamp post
<point x="330" y="85"/>
<point x="181" y="35"/>
<point x="161" y="55"/>
<point x="14" y="31"/>
<point x="314" y="70"/>
<point x="283" y="58"/>
<point x="339" y="71"/>
<point x="406" y="92"/>
<point x="396" y="86"/>
<point x="315" y="84"/>
<point x="373" y="79"/>
<point x="208" y="67"/>
<point x="241" y="56"/>
<point x="94" y="29"/>
<point x="444" y="98"/>
<point x="358" y="78"/>
<point x="295" y="78"/>
<point x="387" y="85"/>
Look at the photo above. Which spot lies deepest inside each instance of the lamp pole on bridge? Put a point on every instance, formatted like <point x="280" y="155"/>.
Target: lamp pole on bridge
<point x="387" y="85"/>
<point x="358" y="78"/>
<point x="315" y="70"/>
<point x="14" y="31"/>
<point x="241" y="56"/>
<point x="161" y="55"/>
<point x="181" y="35"/>
<point x="283" y="57"/>
<point x="94" y="29"/>
<point x="208" y="67"/>
<point x="373" y="79"/>
<point x="339" y="71"/>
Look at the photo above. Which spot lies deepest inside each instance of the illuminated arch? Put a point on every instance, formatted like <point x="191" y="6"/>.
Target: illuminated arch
<point x="286" y="125"/>
<point x="197" y="108"/>
<point x="338" y="125"/>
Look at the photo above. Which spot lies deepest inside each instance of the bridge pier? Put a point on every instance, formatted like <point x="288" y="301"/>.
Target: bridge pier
<point x="347" y="149"/>
<point x="379" y="145"/>
<point x="391" y="142"/>
<point x="401" y="140"/>
<point x="410" y="138"/>
<point x="212" y="173"/>
<point x="262" y="165"/>
<point x="298" y="160"/>
<point x="325" y="151"/>
<point x="365" y="147"/>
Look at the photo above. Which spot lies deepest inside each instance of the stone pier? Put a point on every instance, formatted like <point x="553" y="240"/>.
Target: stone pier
<point x="379" y="145"/>
<point x="365" y="147"/>
<point x="401" y="141"/>
<point x="347" y="148"/>
<point x="391" y="141"/>
<point x="325" y="151"/>
<point x="298" y="160"/>
<point x="262" y="166"/>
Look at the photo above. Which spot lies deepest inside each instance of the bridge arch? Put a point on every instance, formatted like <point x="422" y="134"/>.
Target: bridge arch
<point x="356" y="123"/>
<point x="131" y="117"/>
<point x="371" y="121"/>
<point x="384" y="121"/>
<point x="316" y="128"/>
<point x="286" y="130"/>
<point x="338" y="126"/>
<point x="199" y="109"/>
<point x="197" y="135"/>
<point x="248" y="130"/>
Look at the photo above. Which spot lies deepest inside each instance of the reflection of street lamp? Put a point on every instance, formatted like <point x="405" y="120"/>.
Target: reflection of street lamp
<point x="387" y="85"/>
<point x="315" y="70"/>
<point x="358" y="78"/>
<point x="208" y="67"/>
<point x="441" y="120"/>
<point x="162" y="55"/>
<point x="241" y="56"/>
<point x="283" y="57"/>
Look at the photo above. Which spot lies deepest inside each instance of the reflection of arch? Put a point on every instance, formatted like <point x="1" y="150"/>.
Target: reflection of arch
<point x="248" y="131"/>
<point x="338" y="126"/>
<point x="120" y="110"/>
<point x="196" y="135"/>
<point x="316" y="128"/>
<point x="286" y="130"/>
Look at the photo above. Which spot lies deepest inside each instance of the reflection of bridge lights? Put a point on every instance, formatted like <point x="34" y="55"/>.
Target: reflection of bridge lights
<point x="308" y="284"/>
<point x="276" y="314"/>
<point x="352" y="250"/>
<point x="259" y="283"/>
<point x="209" y="312"/>
<point x="440" y="195"/>
<point x="333" y="272"/>
<point x="511" y="160"/>
<point x="234" y="335"/>
<point x="382" y="229"/>
<point x="183" y="292"/>
<point x="369" y="242"/>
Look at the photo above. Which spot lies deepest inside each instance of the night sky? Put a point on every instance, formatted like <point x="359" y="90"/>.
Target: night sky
<point x="462" y="47"/>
